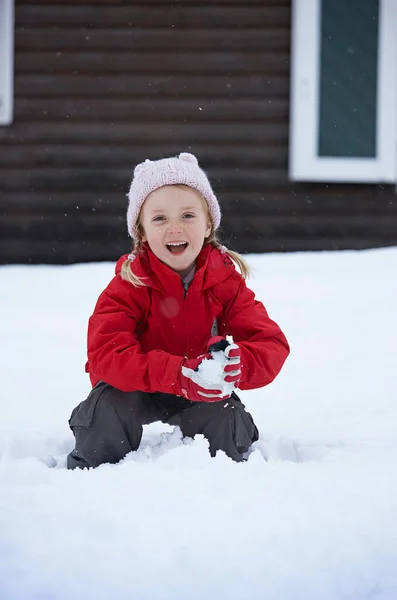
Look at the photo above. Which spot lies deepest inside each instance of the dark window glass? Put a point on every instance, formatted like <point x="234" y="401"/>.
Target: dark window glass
<point x="348" y="78"/>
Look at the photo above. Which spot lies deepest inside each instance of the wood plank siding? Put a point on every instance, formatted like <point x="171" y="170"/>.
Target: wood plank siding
<point x="101" y="85"/>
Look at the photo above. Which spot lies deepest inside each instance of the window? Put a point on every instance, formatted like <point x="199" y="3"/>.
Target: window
<point x="6" y="61"/>
<point x="343" y="91"/>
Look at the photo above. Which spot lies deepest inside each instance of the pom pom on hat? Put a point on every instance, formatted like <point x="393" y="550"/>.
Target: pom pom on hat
<point x="188" y="157"/>
<point x="140" y="168"/>
<point x="150" y="175"/>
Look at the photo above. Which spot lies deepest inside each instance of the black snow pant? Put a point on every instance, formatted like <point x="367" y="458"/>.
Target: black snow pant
<point x="108" y="424"/>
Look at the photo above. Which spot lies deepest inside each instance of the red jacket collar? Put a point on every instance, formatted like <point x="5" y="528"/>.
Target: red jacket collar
<point x="212" y="267"/>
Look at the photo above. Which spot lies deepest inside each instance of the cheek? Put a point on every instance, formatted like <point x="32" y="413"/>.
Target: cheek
<point x="203" y="228"/>
<point x="148" y="231"/>
<point x="155" y="235"/>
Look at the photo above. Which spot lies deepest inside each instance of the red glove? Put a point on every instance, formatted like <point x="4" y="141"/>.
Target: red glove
<point x="197" y="386"/>
<point x="232" y="354"/>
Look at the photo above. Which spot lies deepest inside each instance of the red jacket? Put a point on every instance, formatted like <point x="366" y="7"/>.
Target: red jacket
<point x="139" y="336"/>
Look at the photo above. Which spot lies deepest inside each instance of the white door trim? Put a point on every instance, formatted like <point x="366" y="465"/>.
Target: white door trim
<point x="6" y="61"/>
<point x="304" y="162"/>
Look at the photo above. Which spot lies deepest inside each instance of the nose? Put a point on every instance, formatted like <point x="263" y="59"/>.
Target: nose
<point x="174" y="226"/>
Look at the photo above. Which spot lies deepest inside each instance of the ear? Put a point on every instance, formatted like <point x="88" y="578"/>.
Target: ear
<point x="143" y="236"/>
<point x="209" y="228"/>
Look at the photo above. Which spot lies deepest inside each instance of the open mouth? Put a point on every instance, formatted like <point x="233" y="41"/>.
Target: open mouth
<point x="177" y="247"/>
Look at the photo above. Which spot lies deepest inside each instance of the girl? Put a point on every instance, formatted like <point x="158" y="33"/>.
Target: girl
<point x="157" y="348"/>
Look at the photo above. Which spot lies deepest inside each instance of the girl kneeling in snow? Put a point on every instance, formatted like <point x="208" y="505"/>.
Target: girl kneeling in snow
<point x="157" y="348"/>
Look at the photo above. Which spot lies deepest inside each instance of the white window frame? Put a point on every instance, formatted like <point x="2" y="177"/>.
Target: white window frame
<point x="6" y="61"/>
<point x="304" y="162"/>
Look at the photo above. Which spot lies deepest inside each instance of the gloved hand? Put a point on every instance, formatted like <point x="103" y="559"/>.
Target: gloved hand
<point x="232" y="354"/>
<point x="199" y="382"/>
<point x="214" y="376"/>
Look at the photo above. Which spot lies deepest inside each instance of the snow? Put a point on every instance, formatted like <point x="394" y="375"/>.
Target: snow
<point x="210" y="374"/>
<point x="311" y="515"/>
<point x="212" y="369"/>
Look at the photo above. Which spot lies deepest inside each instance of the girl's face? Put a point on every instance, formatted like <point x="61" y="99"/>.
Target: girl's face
<point x="175" y="224"/>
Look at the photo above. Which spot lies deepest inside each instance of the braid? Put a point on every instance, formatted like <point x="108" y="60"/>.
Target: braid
<point x="126" y="272"/>
<point x="235" y="257"/>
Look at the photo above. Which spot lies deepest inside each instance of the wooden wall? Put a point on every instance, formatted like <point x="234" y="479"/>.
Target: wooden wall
<point x="101" y="85"/>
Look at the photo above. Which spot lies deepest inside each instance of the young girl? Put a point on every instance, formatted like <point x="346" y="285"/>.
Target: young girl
<point x="157" y="347"/>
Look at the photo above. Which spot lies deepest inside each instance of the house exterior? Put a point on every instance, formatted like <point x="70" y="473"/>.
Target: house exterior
<point x="290" y="106"/>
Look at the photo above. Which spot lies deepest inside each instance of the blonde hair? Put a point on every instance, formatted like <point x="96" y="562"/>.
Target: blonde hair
<point x="127" y="274"/>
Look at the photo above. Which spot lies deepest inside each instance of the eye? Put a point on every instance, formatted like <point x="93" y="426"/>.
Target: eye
<point x="158" y="218"/>
<point x="189" y="216"/>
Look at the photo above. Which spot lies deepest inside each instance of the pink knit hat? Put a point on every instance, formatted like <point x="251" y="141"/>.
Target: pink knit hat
<point x="153" y="174"/>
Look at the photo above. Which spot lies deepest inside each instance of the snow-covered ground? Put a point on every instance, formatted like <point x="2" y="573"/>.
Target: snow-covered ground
<point x="312" y="515"/>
